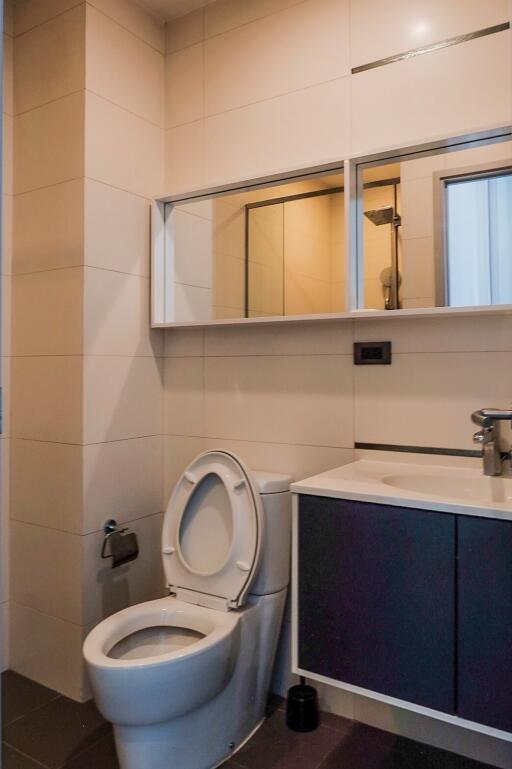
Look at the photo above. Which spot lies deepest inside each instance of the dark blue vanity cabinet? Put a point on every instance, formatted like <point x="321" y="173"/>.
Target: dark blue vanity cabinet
<point x="409" y="603"/>
<point x="377" y="598"/>
<point x="484" y="669"/>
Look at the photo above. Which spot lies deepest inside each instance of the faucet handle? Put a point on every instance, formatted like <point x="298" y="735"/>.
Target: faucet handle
<point x="483" y="435"/>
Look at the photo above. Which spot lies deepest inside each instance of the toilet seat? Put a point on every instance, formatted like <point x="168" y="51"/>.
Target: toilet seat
<point x="163" y="612"/>
<point x="212" y="532"/>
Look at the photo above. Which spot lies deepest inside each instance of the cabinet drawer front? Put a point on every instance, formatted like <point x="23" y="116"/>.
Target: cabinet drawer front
<point x="376" y="598"/>
<point x="485" y="622"/>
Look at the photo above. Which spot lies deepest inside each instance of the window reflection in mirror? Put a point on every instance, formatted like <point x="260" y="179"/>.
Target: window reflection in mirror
<point x="437" y="230"/>
<point x="269" y="252"/>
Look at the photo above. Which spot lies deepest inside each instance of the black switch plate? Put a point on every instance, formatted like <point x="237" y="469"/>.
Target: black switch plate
<point x="372" y="353"/>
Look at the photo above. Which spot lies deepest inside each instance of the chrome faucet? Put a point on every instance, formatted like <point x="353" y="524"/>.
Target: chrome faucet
<point x="489" y="437"/>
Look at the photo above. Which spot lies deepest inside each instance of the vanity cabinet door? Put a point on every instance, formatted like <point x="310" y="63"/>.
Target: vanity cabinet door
<point x="376" y="598"/>
<point x="485" y="622"/>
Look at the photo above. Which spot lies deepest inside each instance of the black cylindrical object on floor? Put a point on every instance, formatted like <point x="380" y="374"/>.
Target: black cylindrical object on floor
<point x="302" y="708"/>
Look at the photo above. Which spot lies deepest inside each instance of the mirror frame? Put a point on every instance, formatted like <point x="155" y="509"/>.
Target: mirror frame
<point x="162" y="257"/>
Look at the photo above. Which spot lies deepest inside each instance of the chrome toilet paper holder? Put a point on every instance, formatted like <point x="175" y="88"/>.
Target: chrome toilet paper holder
<point x="123" y="547"/>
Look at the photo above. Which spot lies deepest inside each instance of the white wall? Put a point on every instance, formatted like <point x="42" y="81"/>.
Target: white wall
<point x="265" y="86"/>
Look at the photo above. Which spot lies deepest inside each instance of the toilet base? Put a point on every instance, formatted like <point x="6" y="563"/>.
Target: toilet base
<point x="208" y="736"/>
<point x="242" y="745"/>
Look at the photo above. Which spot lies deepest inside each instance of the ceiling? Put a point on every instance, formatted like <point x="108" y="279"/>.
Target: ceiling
<point x="167" y="10"/>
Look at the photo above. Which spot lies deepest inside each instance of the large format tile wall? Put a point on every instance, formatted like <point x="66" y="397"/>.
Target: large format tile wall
<point x="260" y="86"/>
<point x="5" y="327"/>
<point x="253" y="86"/>
<point x="122" y="382"/>
<point x="47" y="344"/>
<point x="89" y="103"/>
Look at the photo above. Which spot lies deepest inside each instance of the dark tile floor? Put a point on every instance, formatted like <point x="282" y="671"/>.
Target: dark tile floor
<point x="43" y="730"/>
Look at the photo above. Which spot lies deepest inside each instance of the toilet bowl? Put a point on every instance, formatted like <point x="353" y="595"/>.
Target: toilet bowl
<point x="184" y="679"/>
<point x="134" y="665"/>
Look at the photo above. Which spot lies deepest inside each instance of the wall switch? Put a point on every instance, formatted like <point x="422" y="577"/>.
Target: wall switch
<point x="372" y="353"/>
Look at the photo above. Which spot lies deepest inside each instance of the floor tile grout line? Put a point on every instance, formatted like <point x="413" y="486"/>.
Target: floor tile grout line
<point x="93" y="744"/>
<point x="25" y="755"/>
<point x="34" y="710"/>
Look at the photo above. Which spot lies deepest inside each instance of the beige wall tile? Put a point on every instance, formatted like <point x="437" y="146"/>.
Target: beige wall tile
<point x="179" y="451"/>
<point x="8" y="103"/>
<point x="47" y="317"/>
<point x="9" y="17"/>
<point x="5" y="495"/>
<point x="184" y="73"/>
<point x="229" y="284"/>
<point x="292" y="131"/>
<point x="50" y="144"/>
<point x="8" y="154"/>
<point x="185" y="31"/>
<point x="49" y="228"/>
<point x="228" y="14"/>
<point x="46" y="570"/>
<point x="124" y="69"/>
<point x="4" y="636"/>
<point x="47" y="398"/>
<point x="122" y="398"/>
<point x="329" y="338"/>
<point x="106" y="590"/>
<point x="244" y="399"/>
<point x="379" y="30"/>
<point x="116" y="315"/>
<point x="192" y="236"/>
<point x="417" y="198"/>
<point x="297" y="461"/>
<point x="6" y="308"/>
<point x="7" y="238"/>
<point x="418" y="269"/>
<point x="122" y="480"/>
<point x="46" y="484"/>
<point x="56" y="660"/>
<point x="184" y="342"/>
<point x="5" y="363"/>
<point x="122" y="149"/>
<point x="427" y="399"/>
<point x="297" y="48"/>
<point x="183" y="396"/>
<point x="116" y="229"/>
<point x="50" y="60"/>
<point x="450" y="334"/>
<point x="184" y="157"/>
<point x="135" y="19"/>
<point x="453" y="90"/>
<point x="31" y="13"/>
<point x="192" y="303"/>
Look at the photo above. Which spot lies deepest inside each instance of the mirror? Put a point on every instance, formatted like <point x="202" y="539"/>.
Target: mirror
<point x="267" y="252"/>
<point x="436" y="230"/>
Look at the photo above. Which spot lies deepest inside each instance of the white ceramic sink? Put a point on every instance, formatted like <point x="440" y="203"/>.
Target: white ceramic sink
<point x="446" y="487"/>
<point x="456" y="486"/>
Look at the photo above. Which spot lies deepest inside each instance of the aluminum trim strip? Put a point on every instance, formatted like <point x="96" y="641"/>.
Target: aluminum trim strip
<point x="413" y="52"/>
<point x="418" y="449"/>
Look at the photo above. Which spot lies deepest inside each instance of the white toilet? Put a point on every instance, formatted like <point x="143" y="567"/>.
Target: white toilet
<point x="184" y="679"/>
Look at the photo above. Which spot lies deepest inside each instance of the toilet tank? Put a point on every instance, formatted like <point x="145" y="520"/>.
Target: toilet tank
<point x="274" y="571"/>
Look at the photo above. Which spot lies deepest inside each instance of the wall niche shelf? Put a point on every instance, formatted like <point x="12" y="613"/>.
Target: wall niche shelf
<point x="199" y="279"/>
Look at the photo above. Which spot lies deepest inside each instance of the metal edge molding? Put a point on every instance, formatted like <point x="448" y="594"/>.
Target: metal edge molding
<point x="433" y="47"/>
<point x="418" y="449"/>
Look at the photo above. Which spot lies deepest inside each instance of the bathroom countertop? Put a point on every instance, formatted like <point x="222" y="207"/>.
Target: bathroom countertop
<point x="437" y="487"/>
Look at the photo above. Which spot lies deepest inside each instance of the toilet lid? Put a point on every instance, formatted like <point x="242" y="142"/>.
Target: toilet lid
<point x="212" y="532"/>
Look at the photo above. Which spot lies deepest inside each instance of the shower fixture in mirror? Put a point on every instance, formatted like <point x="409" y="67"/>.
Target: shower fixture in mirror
<point x="435" y="228"/>
<point x="274" y="250"/>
